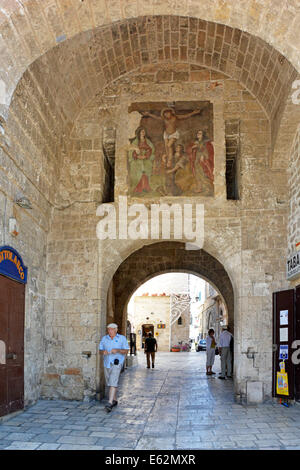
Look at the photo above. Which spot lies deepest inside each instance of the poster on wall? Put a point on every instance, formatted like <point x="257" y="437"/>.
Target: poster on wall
<point x="284" y="317"/>
<point x="283" y="335"/>
<point x="172" y="151"/>
<point x="282" y="384"/>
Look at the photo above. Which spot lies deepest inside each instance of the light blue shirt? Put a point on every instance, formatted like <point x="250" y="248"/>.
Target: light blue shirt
<point x="107" y="344"/>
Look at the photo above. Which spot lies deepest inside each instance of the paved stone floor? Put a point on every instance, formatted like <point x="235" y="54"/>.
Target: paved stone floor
<point x="174" y="406"/>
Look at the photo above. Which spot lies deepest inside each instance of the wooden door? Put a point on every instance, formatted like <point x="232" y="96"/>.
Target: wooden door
<point x="297" y="337"/>
<point x="12" y="306"/>
<point x="283" y="301"/>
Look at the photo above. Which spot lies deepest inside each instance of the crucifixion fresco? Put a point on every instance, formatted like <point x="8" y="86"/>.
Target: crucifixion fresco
<point x="172" y="152"/>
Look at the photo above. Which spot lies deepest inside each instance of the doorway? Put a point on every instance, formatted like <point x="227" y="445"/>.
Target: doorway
<point x="12" y="307"/>
<point x="286" y="333"/>
<point x="146" y="329"/>
<point x="164" y="258"/>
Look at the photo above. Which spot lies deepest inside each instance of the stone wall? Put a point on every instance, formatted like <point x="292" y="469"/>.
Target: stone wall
<point x="156" y="309"/>
<point x="294" y="193"/>
<point x="51" y="150"/>
<point x="72" y="323"/>
<point x="28" y="167"/>
<point x="180" y="318"/>
<point x="239" y="233"/>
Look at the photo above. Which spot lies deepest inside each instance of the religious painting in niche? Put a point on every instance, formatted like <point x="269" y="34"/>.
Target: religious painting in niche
<point x="172" y="152"/>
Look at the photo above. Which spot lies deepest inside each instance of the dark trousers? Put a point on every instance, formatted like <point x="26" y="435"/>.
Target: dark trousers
<point x="152" y="354"/>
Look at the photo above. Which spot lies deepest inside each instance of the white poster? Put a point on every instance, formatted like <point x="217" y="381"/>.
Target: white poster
<point x="283" y="335"/>
<point x="2" y="352"/>
<point x="284" y="317"/>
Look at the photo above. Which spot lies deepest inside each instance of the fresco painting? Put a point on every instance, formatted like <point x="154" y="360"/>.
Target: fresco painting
<point x="172" y="152"/>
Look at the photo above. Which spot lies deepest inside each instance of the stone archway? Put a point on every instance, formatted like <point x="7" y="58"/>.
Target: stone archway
<point x="162" y="257"/>
<point x="40" y="116"/>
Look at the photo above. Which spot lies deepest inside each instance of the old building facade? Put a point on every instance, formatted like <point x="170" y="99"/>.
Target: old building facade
<point x="163" y="306"/>
<point x="75" y="80"/>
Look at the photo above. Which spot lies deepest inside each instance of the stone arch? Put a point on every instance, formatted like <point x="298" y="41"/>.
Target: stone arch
<point x="163" y="257"/>
<point x="89" y="61"/>
<point x="42" y="111"/>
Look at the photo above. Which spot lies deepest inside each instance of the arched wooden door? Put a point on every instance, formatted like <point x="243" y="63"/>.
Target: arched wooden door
<point x="12" y="312"/>
<point x="12" y="302"/>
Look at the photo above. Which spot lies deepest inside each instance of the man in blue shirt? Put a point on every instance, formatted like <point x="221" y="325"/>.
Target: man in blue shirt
<point x="114" y="348"/>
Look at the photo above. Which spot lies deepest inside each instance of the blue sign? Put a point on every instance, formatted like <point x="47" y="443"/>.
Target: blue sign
<point x="284" y="352"/>
<point x="11" y="264"/>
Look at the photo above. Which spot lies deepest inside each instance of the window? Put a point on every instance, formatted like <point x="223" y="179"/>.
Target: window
<point x="232" y="140"/>
<point x="108" y="144"/>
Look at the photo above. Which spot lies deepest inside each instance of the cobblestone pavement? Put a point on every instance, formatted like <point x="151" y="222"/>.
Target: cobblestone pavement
<point x="174" y="406"/>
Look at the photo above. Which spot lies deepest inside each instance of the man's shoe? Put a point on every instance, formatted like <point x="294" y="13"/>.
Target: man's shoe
<point x="222" y="378"/>
<point x="114" y="403"/>
<point x="229" y="376"/>
<point x="148" y="367"/>
<point x="152" y="366"/>
<point x="109" y="407"/>
<point x="213" y="373"/>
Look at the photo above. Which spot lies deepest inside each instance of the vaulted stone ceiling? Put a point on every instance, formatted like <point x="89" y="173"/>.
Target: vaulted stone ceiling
<point x="72" y="73"/>
<point x="29" y="28"/>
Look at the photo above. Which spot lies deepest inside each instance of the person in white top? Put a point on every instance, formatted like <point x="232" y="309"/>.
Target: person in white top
<point x="210" y="352"/>
<point x="225" y="353"/>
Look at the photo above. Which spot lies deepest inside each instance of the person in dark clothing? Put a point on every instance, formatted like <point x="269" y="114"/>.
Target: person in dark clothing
<point x="150" y="349"/>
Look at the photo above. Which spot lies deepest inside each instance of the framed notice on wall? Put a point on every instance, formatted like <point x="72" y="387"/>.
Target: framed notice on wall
<point x="283" y="335"/>
<point x="284" y="317"/>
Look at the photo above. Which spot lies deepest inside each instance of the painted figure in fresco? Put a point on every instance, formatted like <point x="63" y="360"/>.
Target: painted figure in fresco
<point x="171" y="133"/>
<point x="184" y="177"/>
<point x="201" y="157"/>
<point x="140" y="158"/>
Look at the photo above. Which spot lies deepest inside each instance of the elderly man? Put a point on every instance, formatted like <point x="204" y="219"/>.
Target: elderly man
<point x="225" y="353"/>
<point x="114" y="348"/>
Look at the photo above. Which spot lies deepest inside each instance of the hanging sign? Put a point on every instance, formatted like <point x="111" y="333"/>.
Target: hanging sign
<point x="11" y="264"/>
<point x="293" y="266"/>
